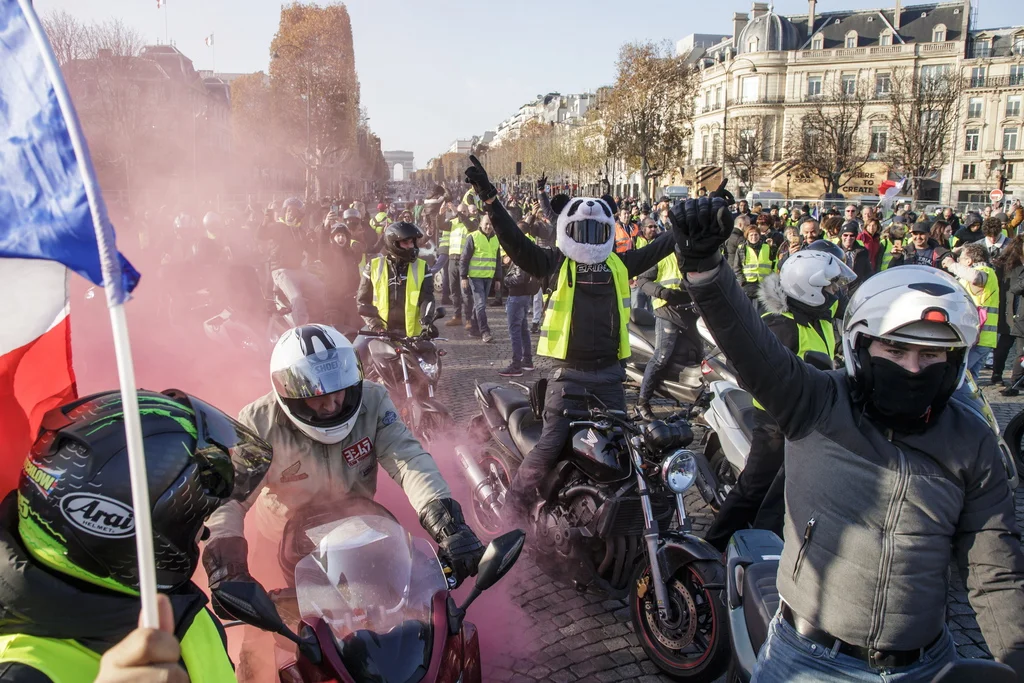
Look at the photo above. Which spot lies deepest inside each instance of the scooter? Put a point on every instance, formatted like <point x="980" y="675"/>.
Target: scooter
<point x="373" y="604"/>
<point x="683" y="381"/>
<point x="752" y="562"/>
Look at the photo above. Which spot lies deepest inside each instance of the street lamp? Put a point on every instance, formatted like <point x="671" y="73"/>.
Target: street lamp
<point x="725" y="106"/>
<point x="309" y="78"/>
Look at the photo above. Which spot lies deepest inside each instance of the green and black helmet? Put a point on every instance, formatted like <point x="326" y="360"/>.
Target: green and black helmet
<point x="74" y="496"/>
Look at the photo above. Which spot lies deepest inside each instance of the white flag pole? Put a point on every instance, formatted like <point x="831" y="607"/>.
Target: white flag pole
<point x="119" y="324"/>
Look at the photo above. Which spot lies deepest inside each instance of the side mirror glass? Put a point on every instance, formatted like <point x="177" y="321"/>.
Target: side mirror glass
<point x="498" y="559"/>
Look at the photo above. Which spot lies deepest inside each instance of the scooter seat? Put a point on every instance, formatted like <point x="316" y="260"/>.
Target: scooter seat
<point x="507" y="401"/>
<point x="641" y="317"/>
<point x="525" y="429"/>
<point x="760" y="600"/>
<point x="741" y="405"/>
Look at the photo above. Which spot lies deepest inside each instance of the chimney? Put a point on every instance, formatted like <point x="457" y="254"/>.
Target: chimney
<point x="759" y="9"/>
<point x="739" y="22"/>
<point x="896" y="16"/>
<point x="810" y="17"/>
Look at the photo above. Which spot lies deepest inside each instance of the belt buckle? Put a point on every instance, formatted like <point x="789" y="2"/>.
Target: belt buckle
<point x="880" y="659"/>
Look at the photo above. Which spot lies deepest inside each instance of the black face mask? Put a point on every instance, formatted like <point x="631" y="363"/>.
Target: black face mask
<point x="900" y="395"/>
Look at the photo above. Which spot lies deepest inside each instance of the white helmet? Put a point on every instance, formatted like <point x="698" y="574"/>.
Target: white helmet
<point x="807" y="273"/>
<point x="911" y="305"/>
<point x="316" y="360"/>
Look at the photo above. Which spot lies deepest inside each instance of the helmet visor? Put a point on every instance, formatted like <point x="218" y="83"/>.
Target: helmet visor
<point x="589" y="231"/>
<point x="323" y="372"/>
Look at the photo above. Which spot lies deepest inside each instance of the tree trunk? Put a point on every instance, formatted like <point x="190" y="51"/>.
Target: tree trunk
<point x="644" y="168"/>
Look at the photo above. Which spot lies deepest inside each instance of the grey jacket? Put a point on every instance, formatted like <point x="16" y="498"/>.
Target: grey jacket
<point x="872" y="517"/>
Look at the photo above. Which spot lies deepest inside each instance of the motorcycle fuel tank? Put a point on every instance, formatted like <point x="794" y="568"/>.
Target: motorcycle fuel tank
<point x="598" y="457"/>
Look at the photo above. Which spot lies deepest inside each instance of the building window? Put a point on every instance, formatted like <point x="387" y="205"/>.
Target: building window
<point x="879" y="140"/>
<point x="972" y="139"/>
<point x="752" y="44"/>
<point x="974" y="108"/>
<point x="705" y="145"/>
<point x="1008" y="171"/>
<point x="716" y="145"/>
<point x="707" y="99"/>
<point x="939" y="34"/>
<point x="883" y="85"/>
<point x="851" y="39"/>
<point x="813" y="86"/>
<point x="1018" y="44"/>
<point x="978" y="77"/>
<point x="1010" y="139"/>
<point x="934" y="72"/>
<point x="1013" y="105"/>
<point x="885" y="38"/>
<point x="981" y="48"/>
<point x="1017" y="74"/>
<point x="848" y="83"/>
<point x="969" y="172"/>
<point x="750" y="86"/>
<point x="817" y="42"/>
<point x="718" y="97"/>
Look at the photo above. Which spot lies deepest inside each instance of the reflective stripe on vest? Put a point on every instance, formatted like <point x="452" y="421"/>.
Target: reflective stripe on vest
<point x="381" y="299"/>
<point x="988" y="300"/>
<point x="65" y="661"/>
<point x="669" y="277"/>
<point x="446" y="239"/>
<point x="623" y="241"/>
<point x="757" y="265"/>
<point x="458" y="237"/>
<point x="808" y="339"/>
<point x="484" y="261"/>
<point x="554" y="332"/>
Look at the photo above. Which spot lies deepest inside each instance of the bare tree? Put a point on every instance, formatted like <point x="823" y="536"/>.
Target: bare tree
<point x="115" y="39"/>
<point x="649" y="111"/>
<point x="922" y="119"/>
<point x="828" y="140"/>
<point x="68" y="36"/>
<point x="749" y="145"/>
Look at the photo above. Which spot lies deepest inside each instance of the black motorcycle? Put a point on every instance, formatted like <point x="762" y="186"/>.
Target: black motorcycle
<point x="683" y="380"/>
<point x="410" y="369"/>
<point x="610" y="519"/>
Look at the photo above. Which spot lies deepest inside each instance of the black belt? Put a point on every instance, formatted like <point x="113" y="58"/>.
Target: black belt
<point x="879" y="659"/>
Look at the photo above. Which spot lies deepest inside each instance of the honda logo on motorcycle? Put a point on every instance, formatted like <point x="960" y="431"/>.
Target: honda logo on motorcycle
<point x="98" y="515"/>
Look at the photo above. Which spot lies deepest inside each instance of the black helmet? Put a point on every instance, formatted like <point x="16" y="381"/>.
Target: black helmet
<point x="395" y="233"/>
<point x="294" y="206"/>
<point x="74" y="495"/>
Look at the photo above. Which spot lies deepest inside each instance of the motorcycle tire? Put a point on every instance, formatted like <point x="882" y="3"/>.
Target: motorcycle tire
<point x="698" y="621"/>
<point x="482" y="519"/>
<point x="1013" y="435"/>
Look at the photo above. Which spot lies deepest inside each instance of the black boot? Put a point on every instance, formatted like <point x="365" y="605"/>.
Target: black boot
<point x="643" y="409"/>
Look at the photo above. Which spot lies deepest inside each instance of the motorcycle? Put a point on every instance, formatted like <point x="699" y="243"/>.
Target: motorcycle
<point x="372" y="605"/>
<point x="410" y="368"/>
<point x="610" y="518"/>
<point x="683" y="382"/>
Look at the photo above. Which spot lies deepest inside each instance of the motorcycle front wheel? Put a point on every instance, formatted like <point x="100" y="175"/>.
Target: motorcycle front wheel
<point x="495" y="466"/>
<point x="692" y="644"/>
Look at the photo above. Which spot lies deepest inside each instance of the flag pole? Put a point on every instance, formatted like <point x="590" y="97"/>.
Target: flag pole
<point x="112" y="282"/>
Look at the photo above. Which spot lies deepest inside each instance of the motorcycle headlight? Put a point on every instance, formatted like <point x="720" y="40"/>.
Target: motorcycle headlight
<point x="429" y="369"/>
<point x="679" y="471"/>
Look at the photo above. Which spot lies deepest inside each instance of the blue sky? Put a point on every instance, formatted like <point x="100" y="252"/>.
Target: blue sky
<point x="436" y="70"/>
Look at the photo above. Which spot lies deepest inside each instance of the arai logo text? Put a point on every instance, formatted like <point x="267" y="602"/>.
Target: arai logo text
<point x="98" y="515"/>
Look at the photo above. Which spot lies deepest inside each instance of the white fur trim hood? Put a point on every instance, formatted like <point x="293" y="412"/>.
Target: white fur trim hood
<point x="772" y="296"/>
<point x="585" y="208"/>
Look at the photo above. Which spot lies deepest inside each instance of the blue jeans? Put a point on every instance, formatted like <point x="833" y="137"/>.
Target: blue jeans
<point x="518" y="331"/>
<point x="479" y="286"/>
<point x="538" y="307"/>
<point x="788" y="657"/>
<point x="976" y="359"/>
<point x="640" y="299"/>
<point x="665" y="336"/>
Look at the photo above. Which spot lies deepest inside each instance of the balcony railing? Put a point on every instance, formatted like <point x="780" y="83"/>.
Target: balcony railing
<point x="996" y="81"/>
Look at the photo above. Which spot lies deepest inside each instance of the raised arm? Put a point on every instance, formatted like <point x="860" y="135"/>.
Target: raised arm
<point x="639" y="260"/>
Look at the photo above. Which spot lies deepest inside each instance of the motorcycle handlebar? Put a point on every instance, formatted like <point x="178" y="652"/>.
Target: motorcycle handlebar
<point x="576" y="414"/>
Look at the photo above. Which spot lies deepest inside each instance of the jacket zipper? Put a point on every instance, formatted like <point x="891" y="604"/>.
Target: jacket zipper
<point x="888" y="542"/>
<point x="808" y="530"/>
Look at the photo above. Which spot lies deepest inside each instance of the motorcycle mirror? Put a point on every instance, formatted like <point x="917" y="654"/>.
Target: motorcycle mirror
<point x="498" y="559"/>
<point x="248" y="602"/>
<point x="439" y="313"/>
<point x="817" y="359"/>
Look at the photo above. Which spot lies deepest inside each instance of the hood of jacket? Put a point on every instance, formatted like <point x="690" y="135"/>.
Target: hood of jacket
<point x="39" y="602"/>
<point x="772" y="296"/>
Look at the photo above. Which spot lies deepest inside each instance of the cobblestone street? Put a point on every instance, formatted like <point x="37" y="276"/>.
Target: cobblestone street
<point x="572" y="637"/>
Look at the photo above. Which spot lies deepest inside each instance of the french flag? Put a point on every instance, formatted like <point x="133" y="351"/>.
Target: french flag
<point x="52" y="221"/>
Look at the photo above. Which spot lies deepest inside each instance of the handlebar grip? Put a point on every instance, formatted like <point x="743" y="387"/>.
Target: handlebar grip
<point x="576" y="414"/>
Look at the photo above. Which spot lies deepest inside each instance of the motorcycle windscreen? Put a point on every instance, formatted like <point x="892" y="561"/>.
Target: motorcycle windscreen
<point x="373" y="585"/>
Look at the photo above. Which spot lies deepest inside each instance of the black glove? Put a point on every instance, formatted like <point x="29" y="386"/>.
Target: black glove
<point x="674" y="297"/>
<point x="700" y="227"/>
<point x="477" y="177"/>
<point x="457" y="545"/>
<point x="226" y="559"/>
<point x="542" y="183"/>
<point x="724" y="193"/>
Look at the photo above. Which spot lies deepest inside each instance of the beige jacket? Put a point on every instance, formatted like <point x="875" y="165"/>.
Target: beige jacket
<point x="304" y="470"/>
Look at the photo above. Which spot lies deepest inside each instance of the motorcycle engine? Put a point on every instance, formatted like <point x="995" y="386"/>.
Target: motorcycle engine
<point x="566" y="547"/>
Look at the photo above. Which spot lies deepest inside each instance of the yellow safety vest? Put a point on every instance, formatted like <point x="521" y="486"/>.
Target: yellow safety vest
<point x="989" y="301"/>
<point x="484" y="262"/>
<point x="380" y="221"/>
<point x="886" y="247"/>
<point x="66" y="661"/>
<point x="641" y="242"/>
<point x="808" y="339"/>
<point x="554" y="332"/>
<point x="446" y="239"/>
<point x="458" y="237"/>
<point x="757" y="265"/>
<point x="669" y="277"/>
<point x="414" y="279"/>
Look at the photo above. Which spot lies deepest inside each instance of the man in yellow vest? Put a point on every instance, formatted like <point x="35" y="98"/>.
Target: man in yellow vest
<point x="981" y="282"/>
<point x="585" y="329"/>
<point x="675" y="327"/>
<point x="800" y="303"/>
<point x="69" y="571"/>
<point x="478" y="268"/>
<point x="395" y="284"/>
<point x="380" y="221"/>
<point x="648" y="233"/>
<point x="456" y="239"/>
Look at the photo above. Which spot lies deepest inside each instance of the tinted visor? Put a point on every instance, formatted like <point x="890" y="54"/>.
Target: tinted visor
<point x="349" y="405"/>
<point x="233" y="459"/>
<point x="321" y="373"/>
<point x="589" y="231"/>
